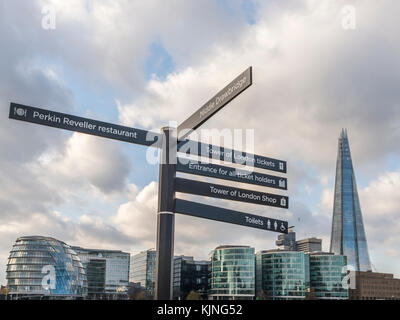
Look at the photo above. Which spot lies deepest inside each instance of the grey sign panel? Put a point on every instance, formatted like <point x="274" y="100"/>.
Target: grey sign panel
<point x="216" y="103"/>
<point x="224" y="154"/>
<point x="233" y="174"/>
<point x="230" y="193"/>
<point x="200" y="210"/>
<point x="84" y="125"/>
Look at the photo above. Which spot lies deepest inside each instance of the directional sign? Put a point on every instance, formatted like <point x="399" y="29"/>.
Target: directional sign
<point x="84" y="125"/>
<point x="216" y="103"/>
<point x="224" y="154"/>
<point x="230" y="216"/>
<point x="233" y="174"/>
<point x="230" y="193"/>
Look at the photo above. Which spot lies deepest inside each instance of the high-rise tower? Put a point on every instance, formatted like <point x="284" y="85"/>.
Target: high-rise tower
<point x="348" y="235"/>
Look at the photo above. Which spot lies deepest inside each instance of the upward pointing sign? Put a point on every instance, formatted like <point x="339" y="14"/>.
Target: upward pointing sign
<point x="216" y="103"/>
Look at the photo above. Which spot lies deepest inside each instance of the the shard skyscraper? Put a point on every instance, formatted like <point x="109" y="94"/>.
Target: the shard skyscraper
<point x="348" y="235"/>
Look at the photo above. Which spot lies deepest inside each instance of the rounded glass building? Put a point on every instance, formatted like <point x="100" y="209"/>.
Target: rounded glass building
<point x="326" y="274"/>
<point x="42" y="267"/>
<point x="232" y="273"/>
<point x="283" y="275"/>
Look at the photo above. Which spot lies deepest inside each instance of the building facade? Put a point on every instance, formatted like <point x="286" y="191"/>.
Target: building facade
<point x="282" y="275"/>
<point x="287" y="241"/>
<point x="143" y="270"/>
<point x="374" y="286"/>
<point x="45" y="268"/>
<point x="232" y="273"/>
<point x="309" y="245"/>
<point x="347" y="234"/>
<point x="190" y="275"/>
<point x="327" y="272"/>
<point x="107" y="272"/>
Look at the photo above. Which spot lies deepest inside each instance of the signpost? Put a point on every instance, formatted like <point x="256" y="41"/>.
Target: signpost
<point x="230" y="216"/>
<point x="84" y="125"/>
<point x="216" y="103"/>
<point x="230" y="193"/>
<point x="233" y="174"/>
<point x="172" y="141"/>
<point x="197" y="148"/>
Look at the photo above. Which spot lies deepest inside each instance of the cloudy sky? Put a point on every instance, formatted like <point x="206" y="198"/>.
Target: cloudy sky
<point x="145" y="63"/>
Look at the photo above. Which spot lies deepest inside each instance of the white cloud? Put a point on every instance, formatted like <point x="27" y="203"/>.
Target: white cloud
<point x="311" y="78"/>
<point x="97" y="161"/>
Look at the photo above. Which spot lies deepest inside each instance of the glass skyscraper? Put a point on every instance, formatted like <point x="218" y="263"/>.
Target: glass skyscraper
<point x="348" y="235"/>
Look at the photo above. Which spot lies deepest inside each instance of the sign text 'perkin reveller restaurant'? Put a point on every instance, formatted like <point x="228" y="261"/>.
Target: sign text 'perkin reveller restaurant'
<point x="170" y="184"/>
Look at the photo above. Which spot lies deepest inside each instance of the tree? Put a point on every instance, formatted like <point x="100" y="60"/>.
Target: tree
<point x="310" y="294"/>
<point x="193" y="295"/>
<point x="3" y="290"/>
<point x="261" y="295"/>
<point x="141" y="296"/>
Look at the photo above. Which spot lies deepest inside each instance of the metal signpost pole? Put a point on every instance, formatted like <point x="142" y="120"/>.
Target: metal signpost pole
<point x="166" y="217"/>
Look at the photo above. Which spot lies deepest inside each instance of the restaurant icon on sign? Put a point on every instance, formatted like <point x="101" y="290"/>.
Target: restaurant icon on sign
<point x="20" y="112"/>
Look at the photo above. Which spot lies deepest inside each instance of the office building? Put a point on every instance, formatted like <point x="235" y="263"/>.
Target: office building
<point x="327" y="272"/>
<point x="282" y="275"/>
<point x="374" y="286"/>
<point x="347" y="234"/>
<point x="143" y="270"/>
<point x="45" y="268"/>
<point x="287" y="241"/>
<point x="190" y="275"/>
<point x="107" y="272"/>
<point x="232" y="273"/>
<point x="309" y="245"/>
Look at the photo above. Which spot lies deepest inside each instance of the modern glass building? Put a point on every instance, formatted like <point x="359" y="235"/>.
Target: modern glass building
<point x="347" y="234"/>
<point x="107" y="272"/>
<point x="326" y="275"/>
<point x="45" y="268"/>
<point x="232" y="273"/>
<point x="282" y="275"/>
<point x="143" y="270"/>
<point x="190" y="275"/>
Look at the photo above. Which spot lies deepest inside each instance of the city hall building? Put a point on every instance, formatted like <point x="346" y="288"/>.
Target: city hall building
<point x="45" y="268"/>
